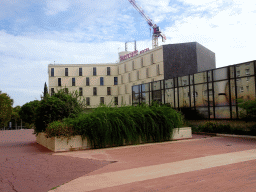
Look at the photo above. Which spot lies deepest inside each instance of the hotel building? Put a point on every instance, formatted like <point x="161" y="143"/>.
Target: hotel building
<point x="111" y="83"/>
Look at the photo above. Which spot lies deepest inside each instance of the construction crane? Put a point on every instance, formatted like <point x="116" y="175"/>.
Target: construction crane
<point x="156" y="31"/>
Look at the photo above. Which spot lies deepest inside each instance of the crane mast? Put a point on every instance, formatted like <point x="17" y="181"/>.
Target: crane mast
<point x="156" y="31"/>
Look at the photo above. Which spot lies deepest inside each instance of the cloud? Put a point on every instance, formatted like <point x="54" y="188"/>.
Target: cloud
<point x="229" y="32"/>
<point x="53" y="7"/>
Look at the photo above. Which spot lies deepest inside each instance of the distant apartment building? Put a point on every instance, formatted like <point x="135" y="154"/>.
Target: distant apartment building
<point x="111" y="83"/>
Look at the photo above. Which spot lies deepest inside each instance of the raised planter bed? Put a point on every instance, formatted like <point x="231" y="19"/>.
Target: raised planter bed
<point x="76" y="143"/>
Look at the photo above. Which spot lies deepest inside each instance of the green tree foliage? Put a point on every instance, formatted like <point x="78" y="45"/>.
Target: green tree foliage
<point x="28" y="113"/>
<point x="15" y="115"/>
<point x="60" y="105"/>
<point x="5" y="109"/>
<point x="45" y="91"/>
<point x="250" y="109"/>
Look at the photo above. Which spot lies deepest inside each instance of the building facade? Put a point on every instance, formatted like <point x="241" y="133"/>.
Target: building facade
<point x="214" y="93"/>
<point x="112" y="83"/>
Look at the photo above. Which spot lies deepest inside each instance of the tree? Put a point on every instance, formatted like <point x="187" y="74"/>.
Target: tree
<point x="57" y="107"/>
<point x="45" y="90"/>
<point x="15" y="115"/>
<point x="28" y="113"/>
<point x="5" y="108"/>
<point x="250" y="109"/>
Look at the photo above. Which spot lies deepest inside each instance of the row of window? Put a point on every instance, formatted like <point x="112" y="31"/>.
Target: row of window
<point x="81" y="91"/>
<point x="88" y="81"/>
<point x="95" y="70"/>
<point x="94" y="93"/>
<point x="141" y="63"/>
<point x="80" y="71"/>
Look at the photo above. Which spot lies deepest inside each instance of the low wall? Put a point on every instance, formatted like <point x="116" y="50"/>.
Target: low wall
<point x="76" y="143"/>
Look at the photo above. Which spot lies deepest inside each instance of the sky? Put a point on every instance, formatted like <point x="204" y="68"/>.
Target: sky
<point x="34" y="34"/>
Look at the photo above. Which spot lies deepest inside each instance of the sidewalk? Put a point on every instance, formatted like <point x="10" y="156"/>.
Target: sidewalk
<point x="204" y="164"/>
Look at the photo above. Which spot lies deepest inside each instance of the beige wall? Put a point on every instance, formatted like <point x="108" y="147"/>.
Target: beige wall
<point x="150" y="70"/>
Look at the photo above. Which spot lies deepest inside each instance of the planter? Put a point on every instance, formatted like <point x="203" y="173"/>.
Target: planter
<point x="76" y="143"/>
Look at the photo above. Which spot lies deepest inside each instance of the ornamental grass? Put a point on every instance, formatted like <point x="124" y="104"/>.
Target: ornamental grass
<point x="113" y="126"/>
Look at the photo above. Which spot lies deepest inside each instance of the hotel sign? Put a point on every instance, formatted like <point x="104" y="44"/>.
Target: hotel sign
<point x="132" y="54"/>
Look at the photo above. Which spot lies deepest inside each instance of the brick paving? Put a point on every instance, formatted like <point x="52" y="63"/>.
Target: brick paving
<point x="27" y="166"/>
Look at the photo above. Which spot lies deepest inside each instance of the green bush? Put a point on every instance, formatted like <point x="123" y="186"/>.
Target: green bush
<point x="58" y="129"/>
<point x="111" y="126"/>
<point x="57" y="107"/>
<point x="250" y="109"/>
<point x="212" y="127"/>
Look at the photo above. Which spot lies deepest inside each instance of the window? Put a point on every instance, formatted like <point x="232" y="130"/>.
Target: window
<point x="247" y="79"/>
<point x="157" y="70"/>
<point x="122" y="81"/>
<point x="108" y="70"/>
<point x="125" y="89"/>
<point x="102" y="100"/>
<point x="138" y="75"/>
<point x="241" y="89"/>
<point x="125" y="68"/>
<point x="87" y="81"/>
<point x="66" y="90"/>
<point x="59" y="81"/>
<point x="152" y="59"/>
<point x="94" y="91"/>
<point x="247" y="71"/>
<point x="108" y="90"/>
<point x="80" y="91"/>
<point x="238" y="73"/>
<point x="116" y="100"/>
<point x="247" y="88"/>
<point x="94" y="71"/>
<point x="115" y="80"/>
<point x="52" y="72"/>
<point x="132" y="65"/>
<point x="101" y="81"/>
<point x="66" y="71"/>
<point x="87" y="100"/>
<point x="141" y="62"/>
<point x="129" y="77"/>
<point x="147" y="73"/>
<point x="73" y="81"/>
<point x="52" y="91"/>
<point x="80" y="72"/>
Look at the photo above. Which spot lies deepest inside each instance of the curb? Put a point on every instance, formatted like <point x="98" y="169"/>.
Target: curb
<point x="225" y="135"/>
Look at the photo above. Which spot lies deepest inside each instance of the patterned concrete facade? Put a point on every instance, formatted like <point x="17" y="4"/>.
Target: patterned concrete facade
<point x="111" y="83"/>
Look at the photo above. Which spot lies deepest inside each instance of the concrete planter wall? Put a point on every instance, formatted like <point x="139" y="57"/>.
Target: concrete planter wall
<point x="75" y="143"/>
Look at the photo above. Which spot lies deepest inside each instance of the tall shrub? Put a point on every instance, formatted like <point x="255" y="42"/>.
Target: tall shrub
<point x="60" y="105"/>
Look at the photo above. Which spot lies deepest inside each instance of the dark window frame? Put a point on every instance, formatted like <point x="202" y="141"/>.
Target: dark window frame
<point x="87" y="81"/>
<point x="73" y="81"/>
<point x="101" y="100"/>
<point x="101" y="81"/>
<point x="116" y="100"/>
<point x="66" y="71"/>
<point x="80" y="71"/>
<point x="88" y="103"/>
<point x="94" y="71"/>
<point x="115" y="80"/>
<point x="108" y="71"/>
<point x="94" y="91"/>
<point x="80" y="91"/>
<point x="59" y="81"/>
<point x="108" y="90"/>
<point x="52" y="72"/>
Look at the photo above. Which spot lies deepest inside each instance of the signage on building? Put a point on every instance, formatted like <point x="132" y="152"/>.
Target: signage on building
<point x="132" y="54"/>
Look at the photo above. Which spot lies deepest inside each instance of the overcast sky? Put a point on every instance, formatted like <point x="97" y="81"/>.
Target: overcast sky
<point x="34" y="34"/>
